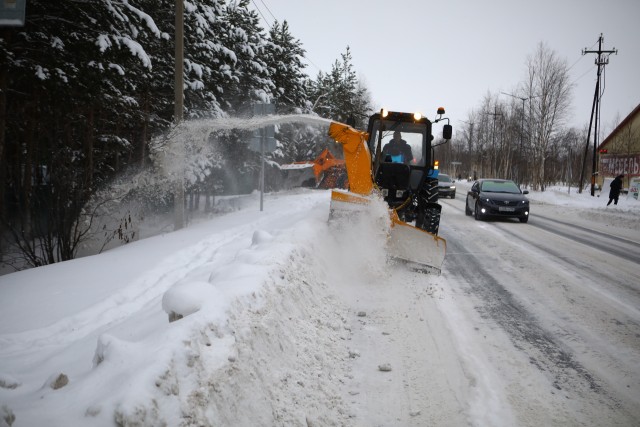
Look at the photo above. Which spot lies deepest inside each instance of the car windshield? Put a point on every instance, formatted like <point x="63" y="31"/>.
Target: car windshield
<point x="500" y="187"/>
<point x="444" y="178"/>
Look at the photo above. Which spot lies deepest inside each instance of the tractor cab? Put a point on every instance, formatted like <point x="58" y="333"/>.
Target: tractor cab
<point x="400" y="144"/>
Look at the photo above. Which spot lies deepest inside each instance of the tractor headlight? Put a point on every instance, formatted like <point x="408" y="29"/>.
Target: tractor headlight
<point x="399" y="193"/>
<point x="417" y="116"/>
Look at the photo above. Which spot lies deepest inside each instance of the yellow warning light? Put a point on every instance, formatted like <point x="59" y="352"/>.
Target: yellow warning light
<point x="417" y="116"/>
<point x="436" y="164"/>
<point x="384" y="113"/>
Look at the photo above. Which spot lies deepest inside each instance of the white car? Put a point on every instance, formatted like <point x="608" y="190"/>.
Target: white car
<point x="446" y="186"/>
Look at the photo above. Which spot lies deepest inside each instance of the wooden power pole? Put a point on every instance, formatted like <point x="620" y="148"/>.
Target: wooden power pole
<point x="178" y="105"/>
<point x="602" y="59"/>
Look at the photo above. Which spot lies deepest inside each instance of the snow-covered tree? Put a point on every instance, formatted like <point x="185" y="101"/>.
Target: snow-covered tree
<point x="87" y="96"/>
<point x="285" y="53"/>
<point x="209" y="64"/>
<point x="251" y="81"/>
<point x="340" y="95"/>
<point x="67" y="84"/>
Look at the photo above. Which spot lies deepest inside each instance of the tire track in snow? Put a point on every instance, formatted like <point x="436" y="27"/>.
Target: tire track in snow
<point x="589" y="271"/>
<point x="129" y="301"/>
<point x="607" y="243"/>
<point x="523" y="328"/>
<point x="500" y="305"/>
<point x="537" y="287"/>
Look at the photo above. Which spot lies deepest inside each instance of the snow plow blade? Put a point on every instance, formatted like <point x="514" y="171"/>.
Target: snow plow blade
<point x="418" y="249"/>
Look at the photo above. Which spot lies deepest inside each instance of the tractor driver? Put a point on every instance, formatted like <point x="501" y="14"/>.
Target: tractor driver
<point x="397" y="150"/>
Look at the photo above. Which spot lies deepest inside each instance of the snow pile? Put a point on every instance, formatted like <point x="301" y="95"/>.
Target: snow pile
<point x="569" y="196"/>
<point x="230" y="322"/>
<point x="253" y="318"/>
<point x="257" y="367"/>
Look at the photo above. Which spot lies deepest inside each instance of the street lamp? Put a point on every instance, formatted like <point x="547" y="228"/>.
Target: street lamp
<point x="522" y="119"/>
<point x="492" y="158"/>
<point x="470" y="132"/>
<point x="523" y="99"/>
<point x="470" y="138"/>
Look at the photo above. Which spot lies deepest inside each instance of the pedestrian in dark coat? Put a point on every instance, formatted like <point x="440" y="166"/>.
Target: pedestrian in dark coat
<point x="616" y="186"/>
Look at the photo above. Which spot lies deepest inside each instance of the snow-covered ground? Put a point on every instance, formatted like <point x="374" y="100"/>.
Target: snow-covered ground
<point x="285" y="321"/>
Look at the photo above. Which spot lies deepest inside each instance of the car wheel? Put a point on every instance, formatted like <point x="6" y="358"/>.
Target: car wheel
<point x="467" y="211"/>
<point x="524" y="219"/>
<point x="477" y="213"/>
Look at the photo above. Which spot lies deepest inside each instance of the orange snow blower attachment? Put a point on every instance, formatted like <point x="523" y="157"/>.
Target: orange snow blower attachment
<point x="324" y="172"/>
<point x="356" y="156"/>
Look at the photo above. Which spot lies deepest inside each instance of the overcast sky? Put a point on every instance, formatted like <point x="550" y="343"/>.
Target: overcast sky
<point x="420" y="54"/>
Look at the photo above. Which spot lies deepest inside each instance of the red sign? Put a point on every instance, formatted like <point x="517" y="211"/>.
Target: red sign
<point x="618" y="164"/>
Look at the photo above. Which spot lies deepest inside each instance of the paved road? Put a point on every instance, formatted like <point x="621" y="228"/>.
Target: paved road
<point x="567" y="299"/>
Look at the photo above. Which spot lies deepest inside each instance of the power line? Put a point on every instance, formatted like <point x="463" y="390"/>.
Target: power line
<point x="576" y="63"/>
<point x="582" y="75"/>
<point x="311" y="62"/>
<point x="580" y="57"/>
<point x="269" y="10"/>
<point x="260" y="12"/>
<point x="276" y="20"/>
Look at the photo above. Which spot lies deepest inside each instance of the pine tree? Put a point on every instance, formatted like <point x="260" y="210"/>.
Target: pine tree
<point x="284" y="53"/>
<point x="251" y="80"/>
<point x="87" y="94"/>
<point x="339" y="95"/>
<point x="67" y="74"/>
<point x="209" y="64"/>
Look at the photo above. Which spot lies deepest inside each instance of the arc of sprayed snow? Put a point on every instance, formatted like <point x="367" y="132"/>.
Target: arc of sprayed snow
<point x="252" y="123"/>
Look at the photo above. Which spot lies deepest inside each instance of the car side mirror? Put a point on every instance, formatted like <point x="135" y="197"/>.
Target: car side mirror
<point x="525" y="192"/>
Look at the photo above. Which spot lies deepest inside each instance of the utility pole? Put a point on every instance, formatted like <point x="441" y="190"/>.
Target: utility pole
<point x="520" y="155"/>
<point x="522" y="119"/>
<point x="493" y="139"/>
<point x="178" y="108"/>
<point x="470" y="142"/>
<point x="602" y="59"/>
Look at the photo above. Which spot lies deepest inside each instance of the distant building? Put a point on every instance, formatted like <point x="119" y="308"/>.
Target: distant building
<point x="619" y="153"/>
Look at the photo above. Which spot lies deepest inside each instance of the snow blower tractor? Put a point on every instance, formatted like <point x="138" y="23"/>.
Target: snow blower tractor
<point x="393" y="161"/>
